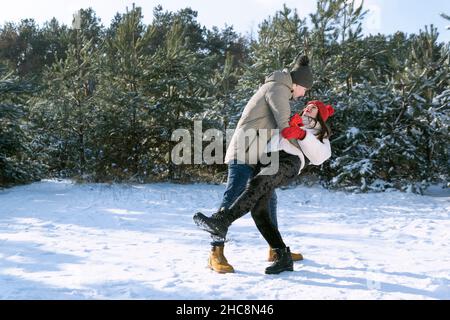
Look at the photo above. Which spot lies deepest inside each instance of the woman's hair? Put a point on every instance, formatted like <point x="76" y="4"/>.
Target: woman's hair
<point x="325" y="131"/>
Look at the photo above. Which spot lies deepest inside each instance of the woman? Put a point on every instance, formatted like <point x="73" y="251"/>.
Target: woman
<point x="312" y="135"/>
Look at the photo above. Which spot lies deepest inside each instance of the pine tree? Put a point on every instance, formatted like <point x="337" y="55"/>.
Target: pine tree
<point x="66" y="108"/>
<point x="124" y="129"/>
<point x="393" y="132"/>
<point x="16" y="164"/>
<point x="335" y="46"/>
<point x="106" y="101"/>
<point x="181" y="92"/>
<point x="281" y="39"/>
<point x="446" y="17"/>
<point x="227" y="52"/>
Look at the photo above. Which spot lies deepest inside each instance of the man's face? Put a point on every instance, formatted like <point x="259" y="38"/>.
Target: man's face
<point x="298" y="91"/>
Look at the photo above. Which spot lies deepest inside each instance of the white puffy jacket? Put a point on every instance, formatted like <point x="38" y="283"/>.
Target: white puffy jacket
<point x="311" y="147"/>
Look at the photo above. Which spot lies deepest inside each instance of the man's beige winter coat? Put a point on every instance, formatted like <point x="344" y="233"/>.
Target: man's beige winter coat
<point x="269" y="108"/>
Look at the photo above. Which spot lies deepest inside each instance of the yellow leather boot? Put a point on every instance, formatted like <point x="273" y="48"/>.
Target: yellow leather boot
<point x="218" y="262"/>
<point x="295" y="256"/>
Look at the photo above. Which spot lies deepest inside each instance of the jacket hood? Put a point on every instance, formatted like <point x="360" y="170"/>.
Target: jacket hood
<point x="283" y="77"/>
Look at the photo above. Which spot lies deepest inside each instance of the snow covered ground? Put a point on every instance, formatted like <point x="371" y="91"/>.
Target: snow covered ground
<point x="60" y="240"/>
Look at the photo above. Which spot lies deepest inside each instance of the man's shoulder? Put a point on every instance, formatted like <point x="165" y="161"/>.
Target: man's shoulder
<point x="277" y="89"/>
<point x="280" y="77"/>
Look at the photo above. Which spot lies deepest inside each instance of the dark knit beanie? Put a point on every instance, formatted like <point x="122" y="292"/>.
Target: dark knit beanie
<point x="301" y="73"/>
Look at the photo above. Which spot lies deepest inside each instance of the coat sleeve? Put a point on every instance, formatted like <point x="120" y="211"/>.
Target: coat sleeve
<point x="316" y="151"/>
<point x="277" y="97"/>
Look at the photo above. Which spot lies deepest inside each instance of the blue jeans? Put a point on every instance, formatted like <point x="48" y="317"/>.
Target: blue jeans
<point x="238" y="176"/>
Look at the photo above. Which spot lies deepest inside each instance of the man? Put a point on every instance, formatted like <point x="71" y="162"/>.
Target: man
<point x="269" y="108"/>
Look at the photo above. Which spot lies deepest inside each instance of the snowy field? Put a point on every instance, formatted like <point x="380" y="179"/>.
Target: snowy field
<point x="60" y="240"/>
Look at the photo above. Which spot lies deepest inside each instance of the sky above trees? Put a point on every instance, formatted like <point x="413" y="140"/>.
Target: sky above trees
<point x="386" y="16"/>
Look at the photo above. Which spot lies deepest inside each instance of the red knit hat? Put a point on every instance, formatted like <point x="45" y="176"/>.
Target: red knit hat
<point x="325" y="111"/>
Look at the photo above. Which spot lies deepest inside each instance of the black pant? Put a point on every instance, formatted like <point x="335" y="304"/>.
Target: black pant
<point x="257" y="195"/>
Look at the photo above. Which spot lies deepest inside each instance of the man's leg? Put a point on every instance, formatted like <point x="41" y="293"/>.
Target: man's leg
<point x="238" y="176"/>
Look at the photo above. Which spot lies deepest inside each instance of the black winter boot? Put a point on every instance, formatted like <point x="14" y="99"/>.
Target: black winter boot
<point x="283" y="261"/>
<point x="217" y="224"/>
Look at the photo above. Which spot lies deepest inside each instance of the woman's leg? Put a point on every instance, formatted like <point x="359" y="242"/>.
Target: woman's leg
<point x="218" y="223"/>
<point x="261" y="184"/>
<point x="282" y="260"/>
<point x="260" y="214"/>
<point x="238" y="176"/>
